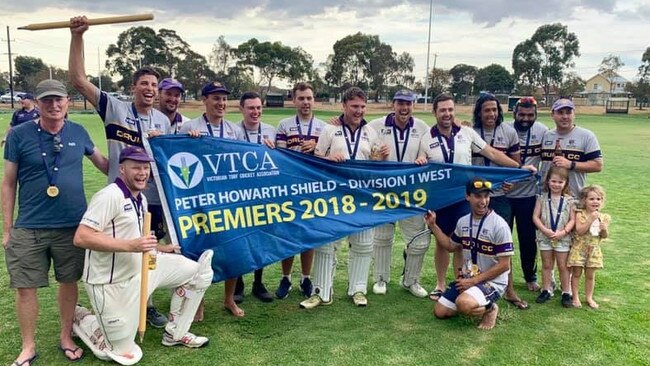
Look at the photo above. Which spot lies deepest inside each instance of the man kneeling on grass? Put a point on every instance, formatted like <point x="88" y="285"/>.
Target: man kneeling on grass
<point x="487" y="245"/>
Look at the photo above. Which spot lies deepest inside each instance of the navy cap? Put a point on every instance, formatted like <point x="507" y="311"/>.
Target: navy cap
<point x="169" y="83"/>
<point x="478" y="185"/>
<point x="214" y="87"/>
<point x="405" y="95"/>
<point x="24" y="96"/>
<point x="135" y="153"/>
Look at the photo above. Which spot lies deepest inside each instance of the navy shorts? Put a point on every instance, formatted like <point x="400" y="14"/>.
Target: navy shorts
<point x="489" y="294"/>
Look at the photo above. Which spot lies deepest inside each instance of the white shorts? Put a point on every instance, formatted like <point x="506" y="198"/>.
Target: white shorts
<point x="562" y="246"/>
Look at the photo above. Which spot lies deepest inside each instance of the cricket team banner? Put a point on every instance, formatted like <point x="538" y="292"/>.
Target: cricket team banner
<point x="255" y="206"/>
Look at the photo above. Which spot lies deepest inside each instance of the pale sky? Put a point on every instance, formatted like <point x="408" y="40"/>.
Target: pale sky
<point x="464" y="31"/>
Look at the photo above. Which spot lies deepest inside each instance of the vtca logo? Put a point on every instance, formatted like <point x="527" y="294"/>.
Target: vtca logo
<point x="185" y="170"/>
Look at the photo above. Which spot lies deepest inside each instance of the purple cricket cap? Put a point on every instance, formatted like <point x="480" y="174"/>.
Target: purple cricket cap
<point x="562" y="103"/>
<point x="135" y="153"/>
<point x="405" y="95"/>
<point x="214" y="87"/>
<point x="169" y="83"/>
<point x="24" y="96"/>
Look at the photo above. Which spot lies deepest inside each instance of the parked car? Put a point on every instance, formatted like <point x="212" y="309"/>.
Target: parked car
<point x="120" y="96"/>
<point x="6" y="98"/>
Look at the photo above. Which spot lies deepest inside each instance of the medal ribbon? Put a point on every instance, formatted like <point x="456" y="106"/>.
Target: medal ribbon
<point x="259" y="133"/>
<point x="308" y="128"/>
<point x="355" y="139"/>
<point x="473" y="240"/>
<point x="207" y="123"/>
<point x="138" y="124"/>
<point x="449" y="157"/>
<point x="400" y="157"/>
<point x="51" y="177"/>
<point x="554" y="223"/>
<point x="487" y="161"/>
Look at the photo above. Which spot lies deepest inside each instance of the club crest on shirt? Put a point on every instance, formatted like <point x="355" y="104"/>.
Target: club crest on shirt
<point x="338" y="133"/>
<point x="293" y="129"/>
<point x="386" y="132"/>
<point x="434" y="145"/>
<point x="131" y="121"/>
<point x="128" y="207"/>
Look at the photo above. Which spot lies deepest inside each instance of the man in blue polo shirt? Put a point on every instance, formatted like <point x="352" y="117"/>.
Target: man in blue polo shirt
<point x="27" y="112"/>
<point x="43" y="164"/>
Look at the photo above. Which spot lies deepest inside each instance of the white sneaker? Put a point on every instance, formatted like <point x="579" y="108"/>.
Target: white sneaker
<point x="359" y="299"/>
<point x="416" y="290"/>
<point x="188" y="340"/>
<point x="379" y="288"/>
<point x="313" y="302"/>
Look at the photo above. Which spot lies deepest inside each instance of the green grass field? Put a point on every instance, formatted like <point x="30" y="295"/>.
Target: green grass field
<point x="399" y="328"/>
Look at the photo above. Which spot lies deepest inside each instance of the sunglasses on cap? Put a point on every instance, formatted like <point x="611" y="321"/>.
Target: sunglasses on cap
<point x="482" y="184"/>
<point x="527" y="100"/>
<point x="56" y="140"/>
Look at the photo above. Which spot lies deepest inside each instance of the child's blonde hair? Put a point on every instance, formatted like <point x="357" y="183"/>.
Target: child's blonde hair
<point x="562" y="173"/>
<point x="588" y="189"/>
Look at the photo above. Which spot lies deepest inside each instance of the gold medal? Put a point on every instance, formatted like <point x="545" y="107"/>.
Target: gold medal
<point x="52" y="191"/>
<point x="475" y="271"/>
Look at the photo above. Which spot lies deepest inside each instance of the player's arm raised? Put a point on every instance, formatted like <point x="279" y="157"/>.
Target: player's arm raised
<point x="89" y="238"/>
<point x="76" y="69"/>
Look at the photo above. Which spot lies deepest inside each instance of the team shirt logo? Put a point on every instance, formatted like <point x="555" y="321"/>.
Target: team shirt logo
<point x="185" y="170"/>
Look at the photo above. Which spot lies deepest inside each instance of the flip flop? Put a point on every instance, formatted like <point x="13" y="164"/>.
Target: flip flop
<point x="73" y="351"/>
<point x="29" y="360"/>
<point x="518" y="303"/>
<point x="435" y="295"/>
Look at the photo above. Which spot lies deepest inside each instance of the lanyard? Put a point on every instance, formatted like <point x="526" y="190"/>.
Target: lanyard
<point x="554" y="223"/>
<point x="308" y="128"/>
<point x="259" y="133"/>
<point x="473" y="240"/>
<point x="178" y="120"/>
<point x="139" y="122"/>
<point x="449" y="157"/>
<point x="487" y="161"/>
<point x="524" y="153"/>
<point x="57" y="155"/>
<point x="400" y="157"/>
<point x="207" y="123"/>
<point x="355" y="139"/>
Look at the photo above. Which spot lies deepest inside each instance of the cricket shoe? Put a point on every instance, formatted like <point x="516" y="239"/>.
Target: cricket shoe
<point x="306" y="287"/>
<point x="415" y="289"/>
<point x="283" y="290"/>
<point x="379" y="288"/>
<point x="155" y="318"/>
<point x="359" y="299"/>
<point x="314" y="301"/>
<point x="188" y="340"/>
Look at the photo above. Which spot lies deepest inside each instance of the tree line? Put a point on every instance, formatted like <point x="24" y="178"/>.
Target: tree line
<point x="543" y="61"/>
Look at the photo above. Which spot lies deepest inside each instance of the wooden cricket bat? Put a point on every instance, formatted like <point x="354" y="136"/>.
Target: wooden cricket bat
<point x="94" y="21"/>
<point x="144" y="280"/>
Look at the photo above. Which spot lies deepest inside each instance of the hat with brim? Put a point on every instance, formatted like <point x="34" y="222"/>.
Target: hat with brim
<point x="26" y="96"/>
<point x="478" y="185"/>
<point x="169" y="83"/>
<point x="50" y="88"/>
<point x="405" y="95"/>
<point x="135" y="153"/>
<point x="562" y="103"/>
<point x="214" y="87"/>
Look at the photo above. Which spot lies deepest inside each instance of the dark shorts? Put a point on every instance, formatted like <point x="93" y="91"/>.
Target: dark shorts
<point x="158" y="221"/>
<point x="31" y="251"/>
<point x="450" y="295"/>
<point x="447" y="217"/>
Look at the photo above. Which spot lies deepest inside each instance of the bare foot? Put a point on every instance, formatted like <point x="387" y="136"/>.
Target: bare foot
<point x="198" y="317"/>
<point x="592" y="304"/>
<point x="235" y="310"/>
<point x="489" y="318"/>
<point x="576" y="303"/>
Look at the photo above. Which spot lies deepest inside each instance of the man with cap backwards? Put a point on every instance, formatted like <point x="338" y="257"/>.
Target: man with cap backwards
<point x="580" y="149"/>
<point x="299" y="133"/>
<point x="522" y="196"/>
<point x="213" y="123"/>
<point x="44" y="159"/>
<point x="111" y="233"/>
<point x="352" y="139"/>
<point x="257" y="132"/>
<point x="486" y="243"/>
<point x="170" y="92"/>
<point x="449" y="143"/>
<point x="401" y="133"/>
<point x="125" y="124"/>
<point x="488" y="123"/>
